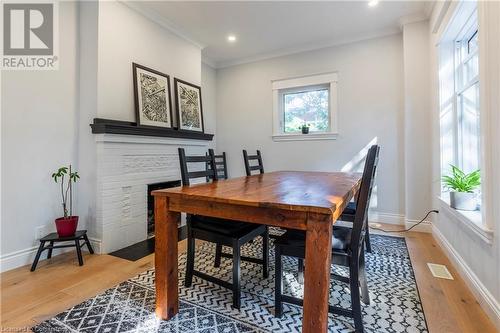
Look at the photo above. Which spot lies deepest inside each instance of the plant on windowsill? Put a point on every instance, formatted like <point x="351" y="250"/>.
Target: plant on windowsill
<point x="305" y="128"/>
<point x="462" y="187"/>
<point x="66" y="225"/>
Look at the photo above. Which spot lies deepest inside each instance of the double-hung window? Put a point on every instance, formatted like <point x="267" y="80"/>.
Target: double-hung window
<point x="459" y="96"/>
<point x="309" y="101"/>
<point x="460" y="130"/>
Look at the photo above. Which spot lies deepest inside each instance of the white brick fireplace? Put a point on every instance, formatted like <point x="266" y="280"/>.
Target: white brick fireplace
<point x="125" y="166"/>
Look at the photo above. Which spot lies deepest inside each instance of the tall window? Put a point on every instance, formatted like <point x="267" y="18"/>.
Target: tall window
<point x="467" y="95"/>
<point x="459" y="93"/>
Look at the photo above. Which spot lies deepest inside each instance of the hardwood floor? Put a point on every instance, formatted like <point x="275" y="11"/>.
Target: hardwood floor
<point x="29" y="298"/>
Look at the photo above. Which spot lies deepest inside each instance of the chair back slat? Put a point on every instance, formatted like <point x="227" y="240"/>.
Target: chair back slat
<point x="220" y="164"/>
<point x="249" y="168"/>
<point x="186" y="175"/>
<point x="363" y="199"/>
<point x="201" y="158"/>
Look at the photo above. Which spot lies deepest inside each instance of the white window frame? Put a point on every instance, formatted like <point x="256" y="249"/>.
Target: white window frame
<point x="304" y="83"/>
<point x="475" y="221"/>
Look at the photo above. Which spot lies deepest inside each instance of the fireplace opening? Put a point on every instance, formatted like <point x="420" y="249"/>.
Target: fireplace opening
<point x="151" y="202"/>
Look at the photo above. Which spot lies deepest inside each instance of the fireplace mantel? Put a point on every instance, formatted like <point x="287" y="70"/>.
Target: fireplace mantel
<point x="108" y="126"/>
<point x="129" y="158"/>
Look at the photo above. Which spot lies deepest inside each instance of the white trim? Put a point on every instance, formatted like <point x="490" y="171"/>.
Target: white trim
<point x="122" y="138"/>
<point x="425" y="226"/>
<point x="162" y="21"/>
<point x="208" y="61"/>
<point x="306" y="80"/>
<point x="26" y="256"/>
<point x="278" y="85"/>
<point x="308" y="47"/>
<point x="471" y="220"/>
<point x="305" y="137"/>
<point x="483" y="295"/>
<point x="413" y="18"/>
<point x="399" y="219"/>
<point x="17" y="258"/>
<point x="386" y="218"/>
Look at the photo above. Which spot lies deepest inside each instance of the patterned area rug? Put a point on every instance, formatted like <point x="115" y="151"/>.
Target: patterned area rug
<point x="205" y="307"/>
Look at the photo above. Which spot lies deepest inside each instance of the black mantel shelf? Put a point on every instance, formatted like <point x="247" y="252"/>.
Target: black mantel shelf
<point x="130" y="128"/>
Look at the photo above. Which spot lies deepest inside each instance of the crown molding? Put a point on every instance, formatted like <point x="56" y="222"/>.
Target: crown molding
<point x="153" y="16"/>
<point x="208" y="61"/>
<point x="306" y="48"/>
<point x="414" y="18"/>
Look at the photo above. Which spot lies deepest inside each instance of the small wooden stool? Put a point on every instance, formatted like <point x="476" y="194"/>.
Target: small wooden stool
<point x="54" y="238"/>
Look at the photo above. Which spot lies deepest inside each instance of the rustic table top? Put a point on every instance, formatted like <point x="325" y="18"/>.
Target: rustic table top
<point x="318" y="192"/>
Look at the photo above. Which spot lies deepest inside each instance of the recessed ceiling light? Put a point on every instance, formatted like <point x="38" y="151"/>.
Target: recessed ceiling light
<point x="372" y="3"/>
<point x="231" y="38"/>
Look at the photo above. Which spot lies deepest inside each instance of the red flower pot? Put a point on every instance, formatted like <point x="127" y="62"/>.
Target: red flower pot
<point x="66" y="226"/>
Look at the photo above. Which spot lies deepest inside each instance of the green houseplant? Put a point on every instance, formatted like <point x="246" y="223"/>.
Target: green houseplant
<point x="462" y="186"/>
<point x="304" y="128"/>
<point x="67" y="224"/>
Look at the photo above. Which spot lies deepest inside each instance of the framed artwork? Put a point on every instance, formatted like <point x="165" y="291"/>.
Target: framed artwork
<point x="153" y="105"/>
<point x="188" y="105"/>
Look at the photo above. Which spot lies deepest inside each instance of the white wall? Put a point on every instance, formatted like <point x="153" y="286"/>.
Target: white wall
<point x="46" y="114"/>
<point x="208" y="95"/>
<point x="476" y="260"/>
<point x="417" y="121"/>
<point x="126" y="36"/>
<point x="39" y="122"/>
<point x="370" y="104"/>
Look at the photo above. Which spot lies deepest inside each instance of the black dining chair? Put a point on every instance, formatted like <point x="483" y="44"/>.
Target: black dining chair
<point x="258" y="166"/>
<point x="347" y="250"/>
<point x="220" y="164"/>
<point x="220" y="231"/>
<point x="350" y="211"/>
<point x="248" y="165"/>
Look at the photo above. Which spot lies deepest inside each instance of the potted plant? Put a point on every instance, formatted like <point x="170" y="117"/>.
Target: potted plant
<point x="462" y="186"/>
<point x="305" y="128"/>
<point x="66" y="225"/>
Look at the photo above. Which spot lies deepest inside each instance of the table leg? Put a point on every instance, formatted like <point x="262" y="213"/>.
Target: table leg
<point x="167" y="289"/>
<point x="317" y="273"/>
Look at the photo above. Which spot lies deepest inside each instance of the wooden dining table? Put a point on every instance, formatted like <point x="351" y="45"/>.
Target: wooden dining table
<point x="310" y="201"/>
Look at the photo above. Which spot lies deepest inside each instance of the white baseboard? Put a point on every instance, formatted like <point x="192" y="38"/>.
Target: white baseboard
<point x="387" y="218"/>
<point x="26" y="256"/>
<point x="483" y="295"/>
<point x="425" y="226"/>
<point x="398" y="219"/>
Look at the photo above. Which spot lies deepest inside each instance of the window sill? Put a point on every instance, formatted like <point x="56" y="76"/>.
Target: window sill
<point x="471" y="219"/>
<point x="305" y="137"/>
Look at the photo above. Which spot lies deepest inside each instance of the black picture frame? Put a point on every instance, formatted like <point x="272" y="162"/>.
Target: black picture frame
<point x="135" y="68"/>
<point x="177" y="105"/>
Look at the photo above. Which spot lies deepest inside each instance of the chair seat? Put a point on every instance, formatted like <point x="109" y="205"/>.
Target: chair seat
<point x="341" y="239"/>
<point x="230" y="228"/>
<point x="350" y="209"/>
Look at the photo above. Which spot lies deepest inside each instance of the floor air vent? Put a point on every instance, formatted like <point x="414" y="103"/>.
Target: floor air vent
<point x="440" y="271"/>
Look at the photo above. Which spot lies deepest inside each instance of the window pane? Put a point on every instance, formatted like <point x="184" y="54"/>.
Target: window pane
<point x="447" y="138"/>
<point x="309" y="107"/>
<point x="472" y="43"/>
<point x="469" y="128"/>
<point x="471" y="68"/>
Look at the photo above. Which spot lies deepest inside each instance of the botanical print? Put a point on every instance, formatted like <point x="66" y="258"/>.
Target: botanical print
<point x="153" y="99"/>
<point x="189" y="107"/>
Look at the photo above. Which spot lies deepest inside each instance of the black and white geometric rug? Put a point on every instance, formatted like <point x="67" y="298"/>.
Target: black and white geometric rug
<point x="205" y="307"/>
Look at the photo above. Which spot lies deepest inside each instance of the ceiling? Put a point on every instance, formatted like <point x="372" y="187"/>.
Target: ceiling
<point x="267" y="29"/>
